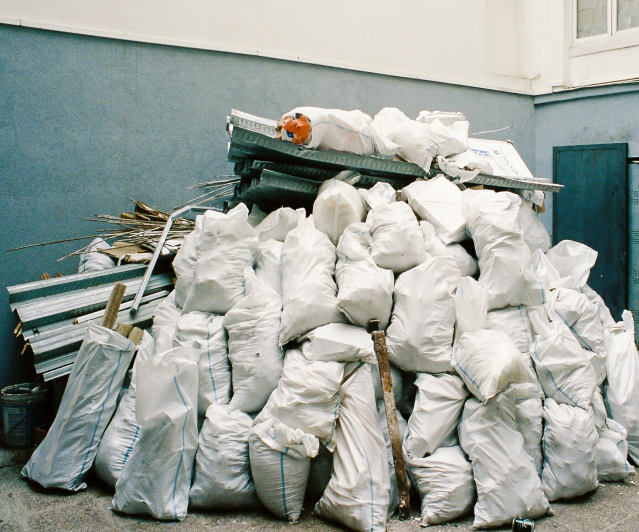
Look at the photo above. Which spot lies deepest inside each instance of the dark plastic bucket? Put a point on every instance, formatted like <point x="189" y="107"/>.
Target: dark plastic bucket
<point x="23" y="407"/>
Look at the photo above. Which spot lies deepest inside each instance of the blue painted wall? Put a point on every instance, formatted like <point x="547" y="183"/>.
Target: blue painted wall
<point x="86" y="123"/>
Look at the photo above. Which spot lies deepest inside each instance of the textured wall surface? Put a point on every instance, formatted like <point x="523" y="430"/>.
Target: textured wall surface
<point x="86" y="123"/>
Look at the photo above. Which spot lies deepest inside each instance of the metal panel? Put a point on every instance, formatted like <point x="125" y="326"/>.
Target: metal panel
<point x="593" y="209"/>
<point x="633" y="277"/>
<point x="533" y="183"/>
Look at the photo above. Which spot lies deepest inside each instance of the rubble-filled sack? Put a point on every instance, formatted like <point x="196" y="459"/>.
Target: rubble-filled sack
<point x="92" y="260"/>
<point x="529" y="416"/>
<point x="546" y="272"/>
<point x="278" y="224"/>
<point x="308" y="289"/>
<point x="267" y="263"/>
<point x="563" y="369"/>
<point x="166" y="409"/>
<point x="280" y="463"/>
<point x="438" y="406"/>
<point x="420" y="335"/>
<point x="165" y="319"/>
<point x="225" y="249"/>
<point x="222" y="478"/>
<point x="622" y="390"/>
<point x="599" y="409"/>
<point x="471" y="302"/>
<point x="365" y="290"/>
<point x="488" y="361"/>
<point x="535" y="233"/>
<point x="579" y="314"/>
<point x="123" y="430"/>
<point x="445" y="483"/>
<point x="612" y="449"/>
<point x="438" y="201"/>
<point x="379" y="194"/>
<point x="507" y="484"/>
<point x="515" y="322"/>
<point x="434" y="246"/>
<point x="358" y="493"/>
<point x="397" y="240"/>
<point x="207" y="331"/>
<point x="570" y="451"/>
<point x="184" y="263"/>
<point x="604" y="312"/>
<point x="253" y="327"/>
<point x="337" y="206"/>
<point x="573" y="260"/>
<point x="339" y="342"/>
<point x="66" y="454"/>
<point x="306" y="397"/>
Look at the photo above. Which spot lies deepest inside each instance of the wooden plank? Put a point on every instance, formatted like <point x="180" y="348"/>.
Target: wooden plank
<point x="113" y="305"/>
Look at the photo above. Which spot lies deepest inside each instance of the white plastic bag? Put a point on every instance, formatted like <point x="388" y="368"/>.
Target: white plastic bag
<point x="420" y="335"/>
<point x="513" y="321"/>
<point x="471" y="302"/>
<point x="507" y="484"/>
<point x="279" y="223"/>
<point x="222" y="478"/>
<point x="123" y="430"/>
<point x="570" y="451"/>
<point x="438" y="407"/>
<point x="622" y="391"/>
<point x="306" y="397"/>
<point x="434" y="246"/>
<point x="397" y="239"/>
<point x="563" y="369"/>
<point x="445" y="483"/>
<point x="308" y="289"/>
<point x="253" y="326"/>
<point x="214" y="371"/>
<point x="535" y="233"/>
<point x="267" y="263"/>
<point x="339" y="342"/>
<point x="165" y="320"/>
<point x="227" y="246"/>
<point x="529" y="416"/>
<point x="365" y="290"/>
<point x="166" y="409"/>
<point x="66" y="454"/>
<point x="92" y="260"/>
<point x="358" y="493"/>
<point x="439" y="202"/>
<point x="612" y="449"/>
<point x="573" y="260"/>
<point x="488" y="361"/>
<point x="184" y="263"/>
<point x="337" y="206"/>
<point x="280" y="463"/>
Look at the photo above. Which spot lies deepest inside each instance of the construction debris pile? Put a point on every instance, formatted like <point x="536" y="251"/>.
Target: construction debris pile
<point x="512" y="385"/>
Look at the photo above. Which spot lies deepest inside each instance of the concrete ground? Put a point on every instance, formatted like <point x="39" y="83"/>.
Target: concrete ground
<point x="614" y="507"/>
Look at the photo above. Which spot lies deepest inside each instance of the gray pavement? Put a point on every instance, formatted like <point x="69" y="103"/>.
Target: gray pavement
<point x="614" y="507"/>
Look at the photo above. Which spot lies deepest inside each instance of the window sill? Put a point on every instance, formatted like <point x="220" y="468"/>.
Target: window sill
<point x="610" y="43"/>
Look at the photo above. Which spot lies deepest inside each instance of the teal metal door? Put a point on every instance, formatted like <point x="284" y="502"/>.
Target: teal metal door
<point x="593" y="208"/>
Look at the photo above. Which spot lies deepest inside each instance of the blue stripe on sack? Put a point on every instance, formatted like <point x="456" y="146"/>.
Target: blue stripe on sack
<point x="574" y="332"/>
<point x="467" y="375"/>
<point x="177" y="472"/>
<point x="128" y="451"/>
<point x="208" y="355"/>
<point x="95" y="430"/>
<point x="370" y="474"/>
<point x="334" y="423"/>
<point x="553" y="378"/>
<point x="283" y="483"/>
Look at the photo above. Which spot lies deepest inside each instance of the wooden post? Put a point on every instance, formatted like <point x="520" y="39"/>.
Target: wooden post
<point x="113" y="306"/>
<point x="379" y="338"/>
<point x="136" y="335"/>
<point x="124" y="329"/>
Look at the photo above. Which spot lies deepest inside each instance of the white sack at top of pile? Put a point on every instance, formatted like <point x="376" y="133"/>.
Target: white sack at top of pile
<point x="563" y="369"/>
<point x="434" y="246"/>
<point x="279" y="223"/>
<point x="309" y="292"/>
<point x="439" y="202"/>
<point x="573" y="260"/>
<point x="184" y="263"/>
<point x="92" y="260"/>
<point x="379" y="194"/>
<point x="622" y="390"/>
<point x="225" y="249"/>
<point x="165" y="320"/>
<point x="256" y="358"/>
<point x="339" y="342"/>
<point x="365" y="290"/>
<point x="398" y="243"/>
<point x="335" y="129"/>
<point x="337" y="206"/>
<point x="535" y="233"/>
<point x="507" y="483"/>
<point x="420" y="335"/>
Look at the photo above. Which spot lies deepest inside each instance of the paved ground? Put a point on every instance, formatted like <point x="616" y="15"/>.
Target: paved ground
<point x="614" y="507"/>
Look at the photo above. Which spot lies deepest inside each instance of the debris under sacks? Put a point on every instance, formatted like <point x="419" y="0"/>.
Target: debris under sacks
<point x="513" y="385"/>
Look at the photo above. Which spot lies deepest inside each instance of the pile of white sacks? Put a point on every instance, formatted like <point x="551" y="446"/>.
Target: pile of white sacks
<point x="260" y="385"/>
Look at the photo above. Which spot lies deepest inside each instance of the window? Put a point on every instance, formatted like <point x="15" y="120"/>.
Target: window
<point x="601" y="18"/>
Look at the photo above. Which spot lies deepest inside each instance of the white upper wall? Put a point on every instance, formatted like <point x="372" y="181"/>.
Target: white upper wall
<point x="511" y="45"/>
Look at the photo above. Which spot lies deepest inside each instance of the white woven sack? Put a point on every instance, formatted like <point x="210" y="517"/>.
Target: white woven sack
<point x="165" y="319"/>
<point x="279" y="223"/>
<point x="267" y="263"/>
<point x="434" y="246"/>
<point x="92" y="260"/>
<point x="339" y="342"/>
<point x="573" y="260"/>
<point x="612" y="449"/>
<point x="535" y="233"/>
<point x="529" y="416"/>
<point x="337" y="206"/>
<point x="184" y="263"/>
<point x="515" y="322"/>
<point x="471" y="302"/>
